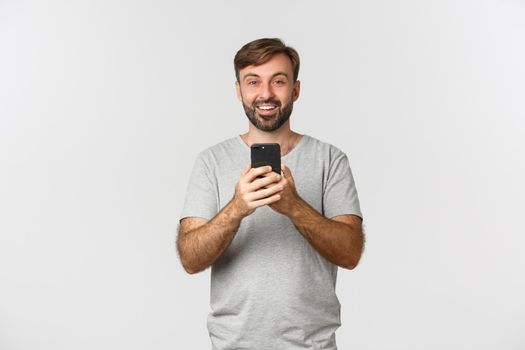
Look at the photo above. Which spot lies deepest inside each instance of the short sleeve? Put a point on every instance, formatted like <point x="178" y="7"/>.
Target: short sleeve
<point x="340" y="193"/>
<point x="201" y="193"/>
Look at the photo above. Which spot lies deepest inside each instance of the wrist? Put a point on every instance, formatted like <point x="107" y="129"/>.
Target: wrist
<point x="300" y="209"/>
<point x="234" y="212"/>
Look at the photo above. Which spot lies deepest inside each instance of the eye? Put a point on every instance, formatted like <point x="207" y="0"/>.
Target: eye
<point x="279" y="82"/>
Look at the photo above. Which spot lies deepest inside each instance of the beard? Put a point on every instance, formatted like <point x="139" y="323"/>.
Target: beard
<point x="268" y="123"/>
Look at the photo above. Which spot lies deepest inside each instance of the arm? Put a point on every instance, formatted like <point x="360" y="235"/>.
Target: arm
<point x="340" y="240"/>
<point x="201" y="242"/>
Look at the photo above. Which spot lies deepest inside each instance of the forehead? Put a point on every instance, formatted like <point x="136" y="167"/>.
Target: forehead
<point x="277" y="63"/>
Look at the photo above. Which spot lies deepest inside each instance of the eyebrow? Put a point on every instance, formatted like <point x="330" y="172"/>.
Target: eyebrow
<point x="257" y="76"/>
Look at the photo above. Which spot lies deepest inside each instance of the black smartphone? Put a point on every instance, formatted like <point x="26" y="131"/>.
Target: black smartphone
<point x="266" y="154"/>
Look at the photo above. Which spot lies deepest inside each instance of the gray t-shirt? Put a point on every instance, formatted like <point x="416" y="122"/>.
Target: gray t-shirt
<point x="271" y="289"/>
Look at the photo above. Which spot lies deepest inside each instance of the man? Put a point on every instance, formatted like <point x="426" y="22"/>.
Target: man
<point x="274" y="243"/>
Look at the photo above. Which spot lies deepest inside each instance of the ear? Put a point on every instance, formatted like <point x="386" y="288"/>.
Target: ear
<point x="238" y="90"/>
<point x="296" y="90"/>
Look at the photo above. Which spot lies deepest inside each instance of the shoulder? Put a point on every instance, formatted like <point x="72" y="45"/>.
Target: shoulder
<point x="326" y="150"/>
<point x="219" y="149"/>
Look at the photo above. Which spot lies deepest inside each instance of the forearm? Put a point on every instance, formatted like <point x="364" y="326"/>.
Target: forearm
<point x="200" y="247"/>
<point x="339" y="243"/>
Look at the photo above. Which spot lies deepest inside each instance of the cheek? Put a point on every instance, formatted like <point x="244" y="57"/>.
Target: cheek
<point x="249" y="102"/>
<point x="248" y="98"/>
<point x="286" y="98"/>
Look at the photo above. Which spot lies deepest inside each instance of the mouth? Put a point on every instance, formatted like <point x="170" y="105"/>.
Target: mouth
<point x="266" y="108"/>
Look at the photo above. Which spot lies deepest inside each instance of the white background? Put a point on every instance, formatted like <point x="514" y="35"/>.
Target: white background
<point x="105" y="104"/>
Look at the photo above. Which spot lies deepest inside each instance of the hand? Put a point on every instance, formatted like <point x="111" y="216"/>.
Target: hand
<point x="251" y="193"/>
<point x="289" y="197"/>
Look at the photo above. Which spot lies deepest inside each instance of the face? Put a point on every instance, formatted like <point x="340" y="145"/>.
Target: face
<point x="267" y="92"/>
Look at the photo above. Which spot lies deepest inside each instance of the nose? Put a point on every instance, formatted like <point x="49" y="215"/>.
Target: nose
<point x="266" y="92"/>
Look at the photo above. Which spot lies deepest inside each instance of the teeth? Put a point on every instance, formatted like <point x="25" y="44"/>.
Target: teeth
<point x="266" y="107"/>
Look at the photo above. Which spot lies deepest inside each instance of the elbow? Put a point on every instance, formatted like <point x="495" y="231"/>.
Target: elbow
<point x="183" y="257"/>
<point x="354" y="257"/>
<point x="351" y="263"/>
<point x="350" y="266"/>
<point x="191" y="270"/>
<point x="186" y="264"/>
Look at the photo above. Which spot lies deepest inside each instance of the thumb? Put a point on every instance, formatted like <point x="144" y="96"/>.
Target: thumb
<point x="246" y="169"/>
<point x="286" y="171"/>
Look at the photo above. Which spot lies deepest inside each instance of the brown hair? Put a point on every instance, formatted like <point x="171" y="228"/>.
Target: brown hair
<point x="260" y="51"/>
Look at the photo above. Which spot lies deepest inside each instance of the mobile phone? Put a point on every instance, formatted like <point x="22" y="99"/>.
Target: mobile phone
<point x="266" y="154"/>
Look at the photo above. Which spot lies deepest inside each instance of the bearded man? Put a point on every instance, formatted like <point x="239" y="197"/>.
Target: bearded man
<point x="274" y="241"/>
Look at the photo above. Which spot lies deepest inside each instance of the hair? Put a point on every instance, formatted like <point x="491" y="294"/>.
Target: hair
<point x="260" y="51"/>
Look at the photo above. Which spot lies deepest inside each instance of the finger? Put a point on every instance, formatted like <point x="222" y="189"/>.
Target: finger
<point x="286" y="171"/>
<point x="266" y="201"/>
<point x="245" y="169"/>
<point x="254" y="172"/>
<point x="268" y="179"/>
<point x="264" y="193"/>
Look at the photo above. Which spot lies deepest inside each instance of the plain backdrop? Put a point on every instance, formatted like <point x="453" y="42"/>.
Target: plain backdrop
<point x="104" y="106"/>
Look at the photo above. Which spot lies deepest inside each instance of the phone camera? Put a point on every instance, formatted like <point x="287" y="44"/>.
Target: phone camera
<point x="262" y="147"/>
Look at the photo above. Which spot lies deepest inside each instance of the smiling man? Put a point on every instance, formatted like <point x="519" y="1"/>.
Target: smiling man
<point x="269" y="107"/>
<point x="274" y="242"/>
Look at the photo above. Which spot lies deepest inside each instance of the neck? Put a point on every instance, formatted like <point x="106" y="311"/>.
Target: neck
<point x="284" y="136"/>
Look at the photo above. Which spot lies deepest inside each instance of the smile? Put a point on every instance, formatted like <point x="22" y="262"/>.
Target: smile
<point x="266" y="107"/>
